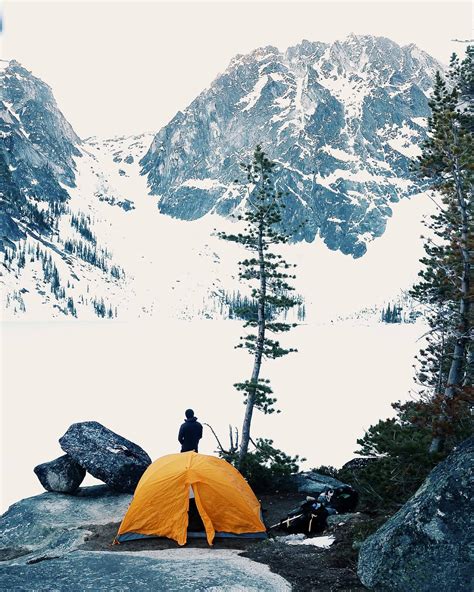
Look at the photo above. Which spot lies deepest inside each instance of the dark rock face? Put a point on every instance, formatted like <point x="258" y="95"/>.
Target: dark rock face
<point x="427" y="545"/>
<point x="9" y="230"/>
<point x="341" y="120"/>
<point x="37" y="151"/>
<point x="106" y="455"/>
<point x="63" y="474"/>
<point x="313" y="483"/>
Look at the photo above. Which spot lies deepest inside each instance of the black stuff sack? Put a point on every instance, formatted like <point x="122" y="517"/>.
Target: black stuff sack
<point x="339" y="500"/>
<point x="309" y="518"/>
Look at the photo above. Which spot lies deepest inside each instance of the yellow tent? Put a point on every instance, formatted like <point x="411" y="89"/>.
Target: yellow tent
<point x="224" y="500"/>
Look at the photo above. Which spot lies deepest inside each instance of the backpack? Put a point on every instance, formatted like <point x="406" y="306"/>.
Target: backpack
<point x="309" y="518"/>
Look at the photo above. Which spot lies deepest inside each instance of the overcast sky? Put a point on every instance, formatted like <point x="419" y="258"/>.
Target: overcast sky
<point x="127" y="67"/>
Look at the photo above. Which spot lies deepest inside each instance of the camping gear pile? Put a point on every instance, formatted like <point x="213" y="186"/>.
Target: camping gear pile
<point x="311" y="516"/>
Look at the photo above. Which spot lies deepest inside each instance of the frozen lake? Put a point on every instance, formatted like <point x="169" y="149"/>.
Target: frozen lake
<point x="138" y="378"/>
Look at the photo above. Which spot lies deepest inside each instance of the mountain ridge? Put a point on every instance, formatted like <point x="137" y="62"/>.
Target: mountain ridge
<point x="314" y="108"/>
<point x="37" y="152"/>
<point x="79" y="235"/>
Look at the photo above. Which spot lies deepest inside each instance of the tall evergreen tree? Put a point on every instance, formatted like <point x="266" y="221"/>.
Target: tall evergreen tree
<point x="446" y="286"/>
<point x="267" y="274"/>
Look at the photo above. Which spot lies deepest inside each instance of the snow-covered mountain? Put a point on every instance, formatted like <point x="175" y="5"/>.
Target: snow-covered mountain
<point x="111" y="253"/>
<point x="342" y="120"/>
<point x="82" y="236"/>
<point x="37" y="151"/>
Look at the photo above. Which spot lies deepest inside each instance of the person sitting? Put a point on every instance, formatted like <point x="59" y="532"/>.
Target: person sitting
<point x="190" y="432"/>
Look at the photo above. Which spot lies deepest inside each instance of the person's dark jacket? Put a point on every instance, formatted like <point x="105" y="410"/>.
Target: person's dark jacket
<point x="189" y="435"/>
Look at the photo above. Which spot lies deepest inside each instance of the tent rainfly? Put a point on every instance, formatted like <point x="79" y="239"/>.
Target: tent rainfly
<point x="226" y="504"/>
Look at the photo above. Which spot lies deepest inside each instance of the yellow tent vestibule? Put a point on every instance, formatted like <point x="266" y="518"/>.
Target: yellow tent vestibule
<point x="225" y="502"/>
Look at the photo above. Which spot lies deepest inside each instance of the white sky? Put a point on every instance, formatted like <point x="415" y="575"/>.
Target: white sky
<point x="127" y="67"/>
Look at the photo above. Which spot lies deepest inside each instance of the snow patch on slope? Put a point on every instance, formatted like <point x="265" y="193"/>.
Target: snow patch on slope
<point x="202" y="184"/>
<point x="178" y="269"/>
<point x="252" y="97"/>
<point x="404" y="141"/>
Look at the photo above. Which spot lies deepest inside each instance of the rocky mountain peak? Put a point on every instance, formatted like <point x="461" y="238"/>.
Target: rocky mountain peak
<point x="37" y="153"/>
<point x="341" y="119"/>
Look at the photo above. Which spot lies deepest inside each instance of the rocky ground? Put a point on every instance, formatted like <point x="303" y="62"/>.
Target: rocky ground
<point x="57" y="541"/>
<point x="65" y="542"/>
<point x="64" y="539"/>
<point x="305" y="567"/>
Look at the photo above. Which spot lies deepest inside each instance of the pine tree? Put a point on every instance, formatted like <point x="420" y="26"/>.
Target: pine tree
<point x="445" y="287"/>
<point x="267" y="274"/>
<point x="71" y="307"/>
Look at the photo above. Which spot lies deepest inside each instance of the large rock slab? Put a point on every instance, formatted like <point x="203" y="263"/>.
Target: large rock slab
<point x="63" y="474"/>
<point x="40" y="549"/>
<point x="313" y="483"/>
<point x="9" y="231"/>
<point x="178" y="570"/>
<point x="427" y="545"/>
<point x="104" y="454"/>
<point x="52" y="524"/>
